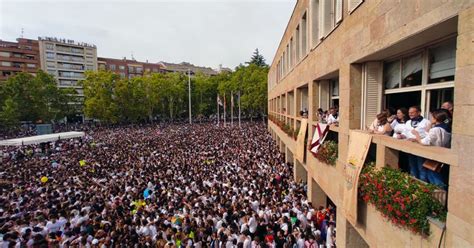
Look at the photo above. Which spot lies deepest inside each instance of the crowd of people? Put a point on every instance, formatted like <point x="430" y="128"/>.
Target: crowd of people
<point x="197" y="185"/>
<point x="409" y="124"/>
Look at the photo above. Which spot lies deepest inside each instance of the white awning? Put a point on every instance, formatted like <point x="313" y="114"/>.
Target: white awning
<point x="41" y="138"/>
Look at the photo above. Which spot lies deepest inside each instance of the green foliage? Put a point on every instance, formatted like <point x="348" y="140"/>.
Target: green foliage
<point x="328" y="152"/>
<point x="9" y="116"/>
<point x="257" y="59"/>
<point x="404" y="200"/>
<point x="35" y="98"/>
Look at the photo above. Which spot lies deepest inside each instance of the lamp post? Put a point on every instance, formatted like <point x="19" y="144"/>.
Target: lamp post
<point x="189" y="94"/>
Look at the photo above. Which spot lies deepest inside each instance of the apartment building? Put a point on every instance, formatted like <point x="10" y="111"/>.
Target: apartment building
<point x="67" y="60"/>
<point x="19" y="56"/>
<point x="363" y="57"/>
<point x="129" y="68"/>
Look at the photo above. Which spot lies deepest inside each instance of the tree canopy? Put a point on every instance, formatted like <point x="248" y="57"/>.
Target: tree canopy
<point x="112" y="99"/>
<point x="37" y="99"/>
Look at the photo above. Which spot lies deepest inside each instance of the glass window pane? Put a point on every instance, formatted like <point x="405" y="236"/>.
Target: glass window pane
<point x="335" y="87"/>
<point x="391" y="75"/>
<point x="443" y="62"/>
<point x="412" y="70"/>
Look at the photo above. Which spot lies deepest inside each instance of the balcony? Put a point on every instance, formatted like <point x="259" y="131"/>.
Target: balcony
<point x="69" y="50"/>
<point x="70" y="59"/>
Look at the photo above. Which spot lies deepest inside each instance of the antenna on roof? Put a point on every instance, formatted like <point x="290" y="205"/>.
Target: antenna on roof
<point x="132" y="56"/>
<point x="22" y="32"/>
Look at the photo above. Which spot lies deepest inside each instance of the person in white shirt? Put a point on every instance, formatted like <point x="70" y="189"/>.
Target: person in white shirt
<point x="438" y="135"/>
<point x="333" y="117"/>
<point x="381" y="124"/>
<point x="398" y="123"/>
<point x="421" y="125"/>
<point x="330" y="235"/>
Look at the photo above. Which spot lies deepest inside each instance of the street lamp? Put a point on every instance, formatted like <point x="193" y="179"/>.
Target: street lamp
<point x="189" y="94"/>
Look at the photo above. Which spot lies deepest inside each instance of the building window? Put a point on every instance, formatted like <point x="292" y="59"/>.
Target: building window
<point x="112" y="67"/>
<point x="297" y="36"/>
<point x="4" y="54"/>
<point x="31" y="65"/>
<point x="121" y="67"/>
<point x="330" y="16"/>
<point x="4" y="63"/>
<point x="89" y="67"/>
<point x="49" y="55"/>
<point x="315" y="21"/>
<point x="52" y="72"/>
<point x="425" y="78"/>
<point x="49" y="46"/>
<point x="304" y="31"/>
<point x="50" y="64"/>
<point x="122" y="74"/>
<point x="412" y="70"/>
<point x="442" y="62"/>
<point x="334" y="92"/>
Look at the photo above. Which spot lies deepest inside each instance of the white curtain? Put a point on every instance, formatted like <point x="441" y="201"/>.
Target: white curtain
<point x="392" y="75"/>
<point x="443" y="62"/>
<point x="411" y="65"/>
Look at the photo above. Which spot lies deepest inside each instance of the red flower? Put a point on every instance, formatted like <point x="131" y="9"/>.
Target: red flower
<point x="413" y="221"/>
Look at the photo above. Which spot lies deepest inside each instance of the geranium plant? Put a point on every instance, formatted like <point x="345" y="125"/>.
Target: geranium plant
<point x="327" y="152"/>
<point x="402" y="199"/>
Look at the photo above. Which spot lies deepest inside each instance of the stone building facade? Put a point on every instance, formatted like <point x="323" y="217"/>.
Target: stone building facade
<point x="363" y="57"/>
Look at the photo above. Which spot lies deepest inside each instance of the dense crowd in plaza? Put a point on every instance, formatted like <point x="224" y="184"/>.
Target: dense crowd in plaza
<point x="158" y="186"/>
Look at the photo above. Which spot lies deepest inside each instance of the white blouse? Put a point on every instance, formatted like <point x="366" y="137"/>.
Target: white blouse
<point x="437" y="136"/>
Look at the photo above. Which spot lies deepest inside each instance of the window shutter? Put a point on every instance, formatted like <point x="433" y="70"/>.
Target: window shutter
<point x="353" y="4"/>
<point x="372" y="92"/>
<point x="338" y="11"/>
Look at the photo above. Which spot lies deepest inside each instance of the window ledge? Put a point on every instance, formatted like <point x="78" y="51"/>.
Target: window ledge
<point x="440" y="154"/>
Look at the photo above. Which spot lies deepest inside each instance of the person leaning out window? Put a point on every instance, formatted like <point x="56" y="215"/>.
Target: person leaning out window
<point x="438" y="135"/>
<point x="381" y="124"/>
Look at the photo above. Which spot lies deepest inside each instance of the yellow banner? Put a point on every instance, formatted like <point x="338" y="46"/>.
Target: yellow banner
<point x="359" y="144"/>
<point x="300" y="140"/>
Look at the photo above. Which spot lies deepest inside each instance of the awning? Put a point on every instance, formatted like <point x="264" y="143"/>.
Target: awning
<point x="41" y="138"/>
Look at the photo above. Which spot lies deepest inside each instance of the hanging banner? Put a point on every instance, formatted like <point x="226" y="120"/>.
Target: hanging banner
<point x="300" y="140"/>
<point x="359" y="144"/>
<point x="320" y="132"/>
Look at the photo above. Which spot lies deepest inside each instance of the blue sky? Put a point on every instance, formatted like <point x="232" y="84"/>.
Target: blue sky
<point x="206" y="33"/>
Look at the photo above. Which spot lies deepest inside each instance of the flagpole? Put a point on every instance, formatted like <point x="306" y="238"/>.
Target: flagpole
<point x="218" y="115"/>
<point x="232" y="108"/>
<point x="239" y="108"/>
<point x="189" y="94"/>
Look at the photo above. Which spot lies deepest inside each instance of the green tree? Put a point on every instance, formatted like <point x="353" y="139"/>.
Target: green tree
<point x="257" y="59"/>
<point x="99" y="93"/>
<point x="37" y="98"/>
<point x="9" y="116"/>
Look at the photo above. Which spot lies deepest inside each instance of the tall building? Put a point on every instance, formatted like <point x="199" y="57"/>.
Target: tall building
<point x="20" y="56"/>
<point x="67" y="60"/>
<point x="363" y="57"/>
<point x="129" y="68"/>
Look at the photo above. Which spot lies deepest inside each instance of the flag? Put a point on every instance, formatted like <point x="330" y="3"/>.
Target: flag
<point x="82" y="163"/>
<point x="320" y="132"/>
<point x="219" y="101"/>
